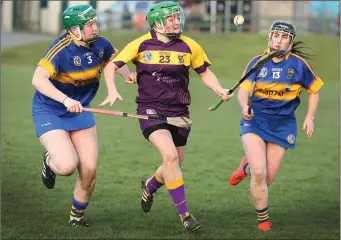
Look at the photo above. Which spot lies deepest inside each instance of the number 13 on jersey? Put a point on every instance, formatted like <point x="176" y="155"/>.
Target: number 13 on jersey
<point x="276" y="75"/>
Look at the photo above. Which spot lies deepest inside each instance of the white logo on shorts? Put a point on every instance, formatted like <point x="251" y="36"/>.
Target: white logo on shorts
<point x="291" y="139"/>
<point x="45" y="124"/>
<point x="151" y="112"/>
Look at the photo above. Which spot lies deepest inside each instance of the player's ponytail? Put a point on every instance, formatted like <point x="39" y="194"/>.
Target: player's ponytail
<point x="298" y="47"/>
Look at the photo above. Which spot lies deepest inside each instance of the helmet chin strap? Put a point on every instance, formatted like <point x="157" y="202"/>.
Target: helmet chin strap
<point x="169" y="35"/>
<point x="79" y="34"/>
<point x="92" y="40"/>
<point x="161" y="32"/>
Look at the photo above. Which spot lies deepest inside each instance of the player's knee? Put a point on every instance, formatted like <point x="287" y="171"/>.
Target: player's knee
<point x="269" y="179"/>
<point x="171" y="158"/>
<point x="258" y="175"/>
<point x="65" y="164"/>
<point x="67" y="170"/>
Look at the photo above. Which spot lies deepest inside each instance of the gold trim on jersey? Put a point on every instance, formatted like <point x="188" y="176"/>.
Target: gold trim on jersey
<point x="46" y="62"/>
<point x="306" y="63"/>
<point x="198" y="55"/>
<point x="247" y="85"/>
<point x="277" y="91"/>
<point x="116" y="52"/>
<point x="77" y="42"/>
<point x="79" y="78"/>
<point x="317" y="83"/>
<point x="315" y="86"/>
<point x="247" y="65"/>
<point x="48" y="66"/>
<point x="164" y="57"/>
<point x="58" y="47"/>
<point x="129" y="52"/>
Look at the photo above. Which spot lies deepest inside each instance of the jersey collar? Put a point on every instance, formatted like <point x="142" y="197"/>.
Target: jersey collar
<point x="153" y="33"/>
<point x="77" y="42"/>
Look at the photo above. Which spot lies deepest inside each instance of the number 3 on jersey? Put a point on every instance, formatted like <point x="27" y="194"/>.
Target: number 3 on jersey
<point x="89" y="59"/>
<point x="276" y="75"/>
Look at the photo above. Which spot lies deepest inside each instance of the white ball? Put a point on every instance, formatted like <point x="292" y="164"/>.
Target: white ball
<point x="238" y="20"/>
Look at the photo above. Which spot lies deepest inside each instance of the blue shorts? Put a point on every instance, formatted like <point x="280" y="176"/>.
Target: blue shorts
<point x="45" y="122"/>
<point x="281" y="130"/>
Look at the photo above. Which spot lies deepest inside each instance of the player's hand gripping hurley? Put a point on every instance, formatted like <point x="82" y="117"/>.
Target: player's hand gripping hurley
<point x="255" y="67"/>
<point x="182" y="122"/>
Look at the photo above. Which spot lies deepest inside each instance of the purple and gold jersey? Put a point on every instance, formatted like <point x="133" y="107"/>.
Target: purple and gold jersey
<point x="74" y="70"/>
<point x="163" y="71"/>
<point x="279" y="85"/>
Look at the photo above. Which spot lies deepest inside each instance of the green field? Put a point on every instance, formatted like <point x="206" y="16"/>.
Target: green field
<point x="304" y="199"/>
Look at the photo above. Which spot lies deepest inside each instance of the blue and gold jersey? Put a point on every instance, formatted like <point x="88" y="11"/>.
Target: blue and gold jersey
<point x="74" y="69"/>
<point x="163" y="69"/>
<point x="278" y="85"/>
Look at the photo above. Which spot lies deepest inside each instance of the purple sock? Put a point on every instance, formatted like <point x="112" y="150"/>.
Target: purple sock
<point x="177" y="191"/>
<point x="154" y="184"/>
<point x="77" y="210"/>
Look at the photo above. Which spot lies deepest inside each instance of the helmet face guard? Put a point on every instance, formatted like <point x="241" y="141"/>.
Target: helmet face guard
<point x="92" y="36"/>
<point x="79" y="16"/>
<point x="282" y="28"/>
<point x="159" y="12"/>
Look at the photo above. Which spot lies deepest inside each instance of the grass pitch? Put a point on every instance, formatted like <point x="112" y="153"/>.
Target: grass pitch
<point x="304" y="199"/>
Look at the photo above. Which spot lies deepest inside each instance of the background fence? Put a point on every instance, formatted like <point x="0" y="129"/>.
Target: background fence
<point x="310" y="17"/>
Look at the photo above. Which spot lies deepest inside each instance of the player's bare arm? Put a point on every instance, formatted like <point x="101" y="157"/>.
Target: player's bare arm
<point x="109" y="77"/>
<point x="308" y="124"/>
<point x="42" y="83"/>
<point x="211" y="81"/>
<point x="129" y="77"/>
